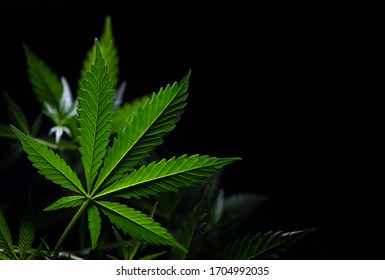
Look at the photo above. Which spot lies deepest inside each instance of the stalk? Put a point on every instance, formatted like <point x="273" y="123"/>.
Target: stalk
<point x="69" y="227"/>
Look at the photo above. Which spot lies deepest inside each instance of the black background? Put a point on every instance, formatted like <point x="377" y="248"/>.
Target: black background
<point x="294" y="88"/>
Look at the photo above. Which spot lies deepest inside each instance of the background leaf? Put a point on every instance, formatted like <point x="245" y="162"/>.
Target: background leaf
<point x="190" y="232"/>
<point x="259" y="245"/>
<point x="123" y="245"/>
<point x="6" y="239"/>
<point x="125" y="113"/>
<point x="153" y="256"/>
<point x="110" y="53"/>
<point x="27" y="229"/>
<point x="6" y="132"/>
<point x="229" y="211"/>
<point x="17" y="114"/>
<point x="45" y="83"/>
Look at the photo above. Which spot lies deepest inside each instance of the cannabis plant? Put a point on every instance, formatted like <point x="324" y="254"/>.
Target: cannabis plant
<point x="118" y="182"/>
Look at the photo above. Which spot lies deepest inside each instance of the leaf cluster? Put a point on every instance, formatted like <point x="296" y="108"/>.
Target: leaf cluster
<point x="116" y="182"/>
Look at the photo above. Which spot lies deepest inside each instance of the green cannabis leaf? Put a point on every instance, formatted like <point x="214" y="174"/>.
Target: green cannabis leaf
<point x="6" y="247"/>
<point x="27" y="232"/>
<point x="115" y="172"/>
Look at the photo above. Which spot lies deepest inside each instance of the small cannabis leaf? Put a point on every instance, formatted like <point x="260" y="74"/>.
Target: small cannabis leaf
<point x="23" y="250"/>
<point x="27" y="230"/>
<point x="6" y="247"/>
<point x="114" y="172"/>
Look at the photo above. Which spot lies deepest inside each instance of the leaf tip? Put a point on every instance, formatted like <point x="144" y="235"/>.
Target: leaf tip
<point x="232" y="159"/>
<point x="108" y="22"/>
<point x="14" y="129"/>
<point x="98" y="52"/>
<point x="25" y="48"/>
<point x="180" y="247"/>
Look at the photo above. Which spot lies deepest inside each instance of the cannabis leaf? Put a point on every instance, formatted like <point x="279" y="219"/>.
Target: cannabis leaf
<point x="6" y="132"/>
<point x="191" y="230"/>
<point x="54" y="95"/>
<point x="27" y="230"/>
<point x="110" y="53"/>
<point x="23" y="250"/>
<point x="259" y="245"/>
<point x="6" y="247"/>
<point x="17" y="114"/>
<point x="45" y="83"/>
<point x="115" y="173"/>
<point x="229" y="211"/>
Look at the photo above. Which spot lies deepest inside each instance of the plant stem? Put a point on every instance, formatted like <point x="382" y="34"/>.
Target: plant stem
<point x="69" y="227"/>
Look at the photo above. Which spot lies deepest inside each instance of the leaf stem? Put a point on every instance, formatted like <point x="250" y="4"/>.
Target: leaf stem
<point x="69" y="227"/>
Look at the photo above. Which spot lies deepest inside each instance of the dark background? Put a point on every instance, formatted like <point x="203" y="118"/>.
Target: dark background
<point x="294" y="88"/>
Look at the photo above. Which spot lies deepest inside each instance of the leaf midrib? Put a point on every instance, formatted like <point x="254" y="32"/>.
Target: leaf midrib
<point x="106" y="191"/>
<point x="96" y="117"/>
